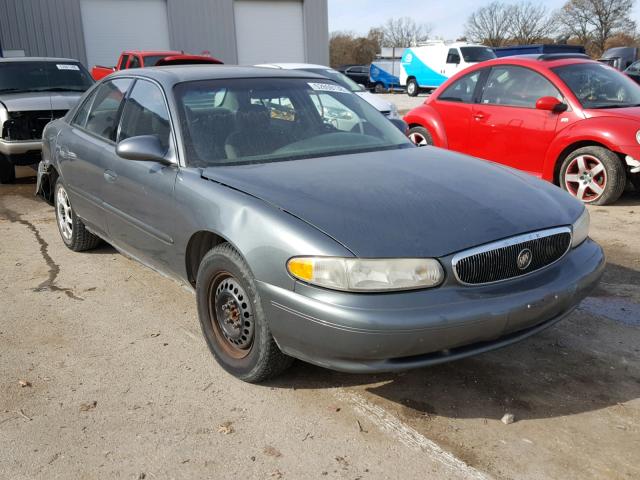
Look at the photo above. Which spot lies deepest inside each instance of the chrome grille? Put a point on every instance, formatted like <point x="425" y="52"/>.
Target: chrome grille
<point x="499" y="261"/>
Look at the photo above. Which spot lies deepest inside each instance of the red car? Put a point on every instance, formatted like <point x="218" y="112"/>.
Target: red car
<point x="570" y="120"/>
<point x="139" y="59"/>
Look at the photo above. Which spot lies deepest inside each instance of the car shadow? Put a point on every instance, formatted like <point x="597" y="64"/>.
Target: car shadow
<point x="572" y="368"/>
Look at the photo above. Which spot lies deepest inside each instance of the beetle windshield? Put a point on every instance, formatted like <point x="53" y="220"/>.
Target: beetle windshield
<point x="599" y="86"/>
<point x="240" y="121"/>
<point x="26" y="76"/>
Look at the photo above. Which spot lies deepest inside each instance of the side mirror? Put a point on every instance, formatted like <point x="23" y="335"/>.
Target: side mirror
<point x="551" y="104"/>
<point x="400" y="125"/>
<point x="143" y="147"/>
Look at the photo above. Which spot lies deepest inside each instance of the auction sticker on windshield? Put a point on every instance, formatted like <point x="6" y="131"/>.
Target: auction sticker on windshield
<point x="327" y="87"/>
<point x="63" y="66"/>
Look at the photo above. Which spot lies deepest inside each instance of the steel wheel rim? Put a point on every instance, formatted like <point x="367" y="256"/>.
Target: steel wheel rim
<point x="411" y="88"/>
<point x="231" y="316"/>
<point x="586" y="178"/>
<point x="65" y="214"/>
<point x="418" y="139"/>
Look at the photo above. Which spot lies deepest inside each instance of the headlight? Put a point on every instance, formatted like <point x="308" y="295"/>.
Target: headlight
<point x="638" y="136"/>
<point x="580" y="229"/>
<point x="393" y="112"/>
<point x="367" y="275"/>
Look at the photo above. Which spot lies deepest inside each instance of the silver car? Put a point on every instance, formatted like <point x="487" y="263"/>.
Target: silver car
<point x="34" y="91"/>
<point x="341" y="244"/>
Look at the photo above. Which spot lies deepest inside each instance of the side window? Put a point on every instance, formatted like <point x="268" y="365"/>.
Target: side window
<point x="134" y="62"/>
<point x="82" y="114"/>
<point x="462" y="89"/>
<point x="516" y="87"/>
<point x="103" y="118"/>
<point x="453" y="56"/>
<point x="123" y="62"/>
<point x="145" y="113"/>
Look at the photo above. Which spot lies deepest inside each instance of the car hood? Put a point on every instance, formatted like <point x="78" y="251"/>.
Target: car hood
<point x="415" y="202"/>
<point x="29" y="101"/>
<point x="380" y="104"/>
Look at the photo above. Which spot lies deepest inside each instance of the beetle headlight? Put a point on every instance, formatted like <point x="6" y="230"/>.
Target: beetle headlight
<point x="638" y="136"/>
<point x="367" y="275"/>
<point x="580" y="229"/>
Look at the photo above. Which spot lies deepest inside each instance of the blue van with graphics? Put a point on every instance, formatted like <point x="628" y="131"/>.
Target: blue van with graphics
<point x="384" y="75"/>
<point x="428" y="66"/>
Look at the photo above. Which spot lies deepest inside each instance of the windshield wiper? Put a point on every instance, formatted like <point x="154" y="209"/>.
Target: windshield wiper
<point x="60" y="89"/>
<point x="600" y="107"/>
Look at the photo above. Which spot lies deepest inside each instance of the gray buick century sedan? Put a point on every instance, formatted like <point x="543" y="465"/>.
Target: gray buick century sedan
<point x="309" y="226"/>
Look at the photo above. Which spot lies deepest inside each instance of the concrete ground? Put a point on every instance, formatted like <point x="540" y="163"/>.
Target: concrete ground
<point x="104" y="374"/>
<point x="403" y="101"/>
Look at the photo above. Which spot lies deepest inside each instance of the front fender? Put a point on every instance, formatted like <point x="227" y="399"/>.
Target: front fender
<point x="426" y="116"/>
<point x="612" y="132"/>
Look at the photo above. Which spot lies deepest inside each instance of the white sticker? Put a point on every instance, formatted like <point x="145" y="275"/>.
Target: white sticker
<point x="66" y="66"/>
<point x="328" y="87"/>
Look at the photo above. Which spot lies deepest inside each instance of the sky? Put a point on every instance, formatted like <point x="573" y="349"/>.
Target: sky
<point x="447" y="17"/>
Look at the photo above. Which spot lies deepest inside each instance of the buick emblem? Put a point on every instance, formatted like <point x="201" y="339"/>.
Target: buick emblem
<point x="524" y="259"/>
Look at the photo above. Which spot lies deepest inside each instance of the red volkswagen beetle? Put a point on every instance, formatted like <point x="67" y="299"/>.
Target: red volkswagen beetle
<point x="565" y="118"/>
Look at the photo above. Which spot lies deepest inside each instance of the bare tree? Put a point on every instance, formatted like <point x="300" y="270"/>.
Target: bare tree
<point x="529" y="23"/>
<point x="489" y="24"/>
<point x="594" y="22"/>
<point x="345" y="48"/>
<point x="404" y="32"/>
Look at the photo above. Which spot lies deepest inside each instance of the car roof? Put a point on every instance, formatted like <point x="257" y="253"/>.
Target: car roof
<point x="37" y="59"/>
<point x="538" y="61"/>
<point x="173" y="74"/>
<point x="294" y="66"/>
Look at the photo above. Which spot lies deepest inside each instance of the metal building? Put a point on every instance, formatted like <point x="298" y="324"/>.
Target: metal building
<point x="235" y="31"/>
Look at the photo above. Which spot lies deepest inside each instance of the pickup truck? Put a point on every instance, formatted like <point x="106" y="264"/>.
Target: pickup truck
<point x="140" y="59"/>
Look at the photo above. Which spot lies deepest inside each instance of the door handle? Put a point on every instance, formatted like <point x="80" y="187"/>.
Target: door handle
<point x="478" y="116"/>
<point x="67" y="154"/>
<point x="110" y="176"/>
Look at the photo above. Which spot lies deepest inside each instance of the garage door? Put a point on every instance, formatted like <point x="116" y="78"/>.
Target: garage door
<point x="268" y="31"/>
<point x="111" y="26"/>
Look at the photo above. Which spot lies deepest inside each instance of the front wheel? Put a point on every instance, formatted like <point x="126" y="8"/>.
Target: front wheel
<point x="7" y="170"/>
<point x="420" y="136"/>
<point x="412" y="87"/>
<point x="232" y="320"/>
<point x="594" y="175"/>
<point x="379" y="88"/>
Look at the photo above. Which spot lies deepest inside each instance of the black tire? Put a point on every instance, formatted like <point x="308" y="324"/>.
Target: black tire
<point x="79" y="239"/>
<point x="416" y="133"/>
<point x="7" y="170"/>
<point x="412" y="87"/>
<point x="614" y="175"/>
<point x="379" y="88"/>
<point x="258" y="358"/>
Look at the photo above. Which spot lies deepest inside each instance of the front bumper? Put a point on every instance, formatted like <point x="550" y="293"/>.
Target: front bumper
<point x="26" y="152"/>
<point x="396" y="331"/>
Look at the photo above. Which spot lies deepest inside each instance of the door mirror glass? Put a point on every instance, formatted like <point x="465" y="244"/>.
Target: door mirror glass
<point x="551" y="104"/>
<point x="143" y="148"/>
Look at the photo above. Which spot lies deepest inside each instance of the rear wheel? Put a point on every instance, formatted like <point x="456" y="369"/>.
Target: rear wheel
<point x="420" y="136"/>
<point x="7" y="170"/>
<point x="232" y="320"/>
<point x="412" y="87"/>
<point x="593" y="175"/>
<point x="73" y="232"/>
<point x="379" y="88"/>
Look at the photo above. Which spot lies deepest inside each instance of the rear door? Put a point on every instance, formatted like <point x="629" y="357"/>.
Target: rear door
<point x="506" y="127"/>
<point x="455" y="105"/>
<point x="84" y="148"/>
<point x="139" y="194"/>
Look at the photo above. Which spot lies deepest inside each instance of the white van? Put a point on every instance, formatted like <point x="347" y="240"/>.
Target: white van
<point x="429" y="65"/>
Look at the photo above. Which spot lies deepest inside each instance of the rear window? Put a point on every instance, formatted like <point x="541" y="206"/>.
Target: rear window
<point x="17" y="77"/>
<point x="477" y="54"/>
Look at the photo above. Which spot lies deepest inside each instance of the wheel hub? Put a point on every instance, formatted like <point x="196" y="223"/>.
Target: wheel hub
<point x="586" y="178"/>
<point x="233" y="314"/>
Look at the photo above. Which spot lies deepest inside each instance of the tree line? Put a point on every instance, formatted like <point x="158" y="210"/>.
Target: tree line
<point x="596" y="24"/>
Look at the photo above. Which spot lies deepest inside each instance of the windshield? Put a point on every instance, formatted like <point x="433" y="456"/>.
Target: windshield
<point x="598" y="86"/>
<point x="477" y="54"/>
<point x="17" y="77"/>
<point x="242" y="121"/>
<point x="337" y="77"/>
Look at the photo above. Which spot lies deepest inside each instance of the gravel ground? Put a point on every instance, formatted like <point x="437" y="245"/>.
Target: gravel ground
<point x="104" y="374"/>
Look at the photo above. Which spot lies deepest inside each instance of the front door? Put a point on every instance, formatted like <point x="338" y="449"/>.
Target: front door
<point x="452" y="65"/>
<point x="506" y="127"/>
<point x="140" y="194"/>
